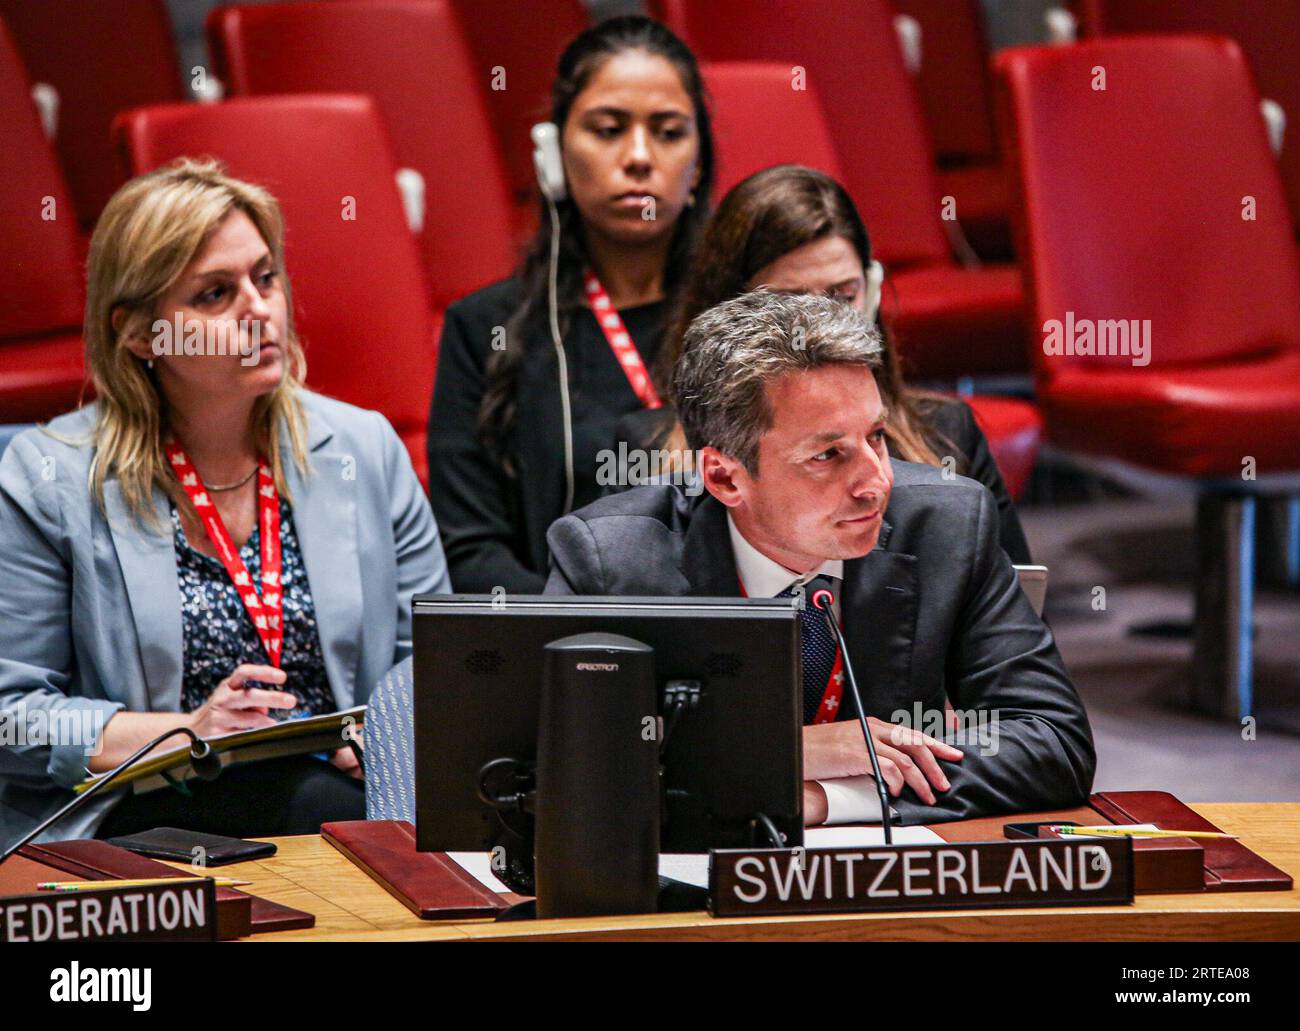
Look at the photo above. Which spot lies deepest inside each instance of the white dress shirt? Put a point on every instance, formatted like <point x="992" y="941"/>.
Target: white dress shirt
<point x="848" y="799"/>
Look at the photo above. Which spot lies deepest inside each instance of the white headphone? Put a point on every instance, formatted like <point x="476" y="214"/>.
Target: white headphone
<point x="549" y="166"/>
<point x="875" y="280"/>
<point x="547" y="161"/>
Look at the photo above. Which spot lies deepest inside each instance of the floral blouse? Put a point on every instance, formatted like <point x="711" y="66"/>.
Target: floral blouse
<point x="219" y="635"/>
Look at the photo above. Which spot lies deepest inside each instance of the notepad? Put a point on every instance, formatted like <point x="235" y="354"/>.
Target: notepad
<point x="291" y="737"/>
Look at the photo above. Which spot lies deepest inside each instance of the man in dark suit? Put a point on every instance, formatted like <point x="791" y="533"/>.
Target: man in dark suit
<point x="777" y="396"/>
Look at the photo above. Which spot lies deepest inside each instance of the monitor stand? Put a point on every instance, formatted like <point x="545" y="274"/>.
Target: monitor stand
<point x="674" y="897"/>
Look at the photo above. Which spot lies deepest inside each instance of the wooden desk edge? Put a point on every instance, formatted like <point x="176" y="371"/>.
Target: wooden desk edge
<point x="1254" y="916"/>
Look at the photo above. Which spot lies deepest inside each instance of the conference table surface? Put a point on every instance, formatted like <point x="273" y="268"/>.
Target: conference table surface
<point x="309" y="874"/>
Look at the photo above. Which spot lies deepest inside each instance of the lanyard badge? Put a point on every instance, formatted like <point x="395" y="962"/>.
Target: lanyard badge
<point x="266" y="611"/>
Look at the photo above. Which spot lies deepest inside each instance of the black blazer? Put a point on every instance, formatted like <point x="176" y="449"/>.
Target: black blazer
<point x="952" y="418"/>
<point x="493" y="525"/>
<point x="934" y="611"/>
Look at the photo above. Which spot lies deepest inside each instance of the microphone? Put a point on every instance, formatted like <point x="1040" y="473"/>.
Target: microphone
<point x="819" y="591"/>
<point x="205" y="763"/>
<point x="203" y="760"/>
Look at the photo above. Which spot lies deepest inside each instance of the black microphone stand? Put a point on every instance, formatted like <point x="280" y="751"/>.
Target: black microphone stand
<point x="823" y="599"/>
<point x="205" y="762"/>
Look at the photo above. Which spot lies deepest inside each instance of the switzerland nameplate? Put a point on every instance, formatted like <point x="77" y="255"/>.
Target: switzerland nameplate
<point x="957" y="875"/>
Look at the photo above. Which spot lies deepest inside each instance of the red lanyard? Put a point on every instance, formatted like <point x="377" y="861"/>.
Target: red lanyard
<point x="265" y="611"/>
<point x="620" y="341"/>
<point x="829" y="707"/>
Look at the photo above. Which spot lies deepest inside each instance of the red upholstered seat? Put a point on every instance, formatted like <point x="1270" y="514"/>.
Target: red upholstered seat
<point x="847" y="51"/>
<point x="411" y="56"/>
<point x="1014" y="430"/>
<point x="1200" y="420"/>
<point x="957" y="93"/>
<point x="1133" y="217"/>
<point x="759" y="121"/>
<point x="1268" y="32"/>
<point x="41" y="359"/>
<point x="102" y="57"/>
<point x="361" y="302"/>
<point x="41" y="377"/>
<point x="950" y="321"/>
<point x="523" y="42"/>
<point x="983" y="200"/>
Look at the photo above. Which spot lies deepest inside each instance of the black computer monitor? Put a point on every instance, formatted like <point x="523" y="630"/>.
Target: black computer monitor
<point x="738" y="753"/>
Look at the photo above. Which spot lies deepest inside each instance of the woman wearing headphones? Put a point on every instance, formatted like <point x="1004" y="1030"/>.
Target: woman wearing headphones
<point x="186" y="554"/>
<point x="534" y="372"/>
<point x="791" y="228"/>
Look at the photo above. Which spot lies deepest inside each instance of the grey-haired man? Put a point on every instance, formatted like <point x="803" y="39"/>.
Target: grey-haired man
<point x="777" y="395"/>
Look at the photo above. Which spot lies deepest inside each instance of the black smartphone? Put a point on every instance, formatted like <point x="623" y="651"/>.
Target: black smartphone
<point x="192" y="847"/>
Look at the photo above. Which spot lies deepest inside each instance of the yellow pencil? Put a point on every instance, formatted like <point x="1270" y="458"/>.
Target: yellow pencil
<point x="1129" y="832"/>
<point x="143" y="882"/>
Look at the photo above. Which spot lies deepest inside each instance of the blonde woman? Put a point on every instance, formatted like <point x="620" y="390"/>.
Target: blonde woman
<point x="208" y="544"/>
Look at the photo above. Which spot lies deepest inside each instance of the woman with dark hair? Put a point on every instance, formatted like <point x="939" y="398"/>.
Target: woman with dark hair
<point x="526" y="396"/>
<point x="793" y="229"/>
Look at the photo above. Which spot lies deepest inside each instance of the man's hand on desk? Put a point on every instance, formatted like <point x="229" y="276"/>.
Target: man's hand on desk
<point x="833" y="750"/>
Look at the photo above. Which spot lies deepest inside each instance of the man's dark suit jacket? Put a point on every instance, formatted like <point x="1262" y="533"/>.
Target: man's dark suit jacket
<point x="933" y="611"/>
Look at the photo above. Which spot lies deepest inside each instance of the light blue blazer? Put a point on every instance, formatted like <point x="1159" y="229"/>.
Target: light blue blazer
<point x="90" y="615"/>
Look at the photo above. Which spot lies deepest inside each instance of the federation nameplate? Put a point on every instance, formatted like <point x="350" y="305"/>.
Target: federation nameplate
<point x="183" y="911"/>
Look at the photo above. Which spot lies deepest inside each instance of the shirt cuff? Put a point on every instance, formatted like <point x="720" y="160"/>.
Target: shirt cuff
<point x="851" y="800"/>
<point x="81" y="721"/>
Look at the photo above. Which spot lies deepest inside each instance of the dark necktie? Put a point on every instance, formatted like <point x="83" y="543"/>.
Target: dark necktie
<point x="817" y="649"/>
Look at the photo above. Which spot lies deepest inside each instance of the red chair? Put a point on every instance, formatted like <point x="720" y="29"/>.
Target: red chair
<point x="1014" y="430"/>
<point x="759" y="121"/>
<point x="1268" y="32"/>
<point x="1133" y="217"/>
<point x="957" y="91"/>
<point x="949" y="321"/>
<point x="522" y="41"/>
<point x="41" y="353"/>
<point x="410" y="56"/>
<point x="361" y="302"/>
<point x="102" y="58"/>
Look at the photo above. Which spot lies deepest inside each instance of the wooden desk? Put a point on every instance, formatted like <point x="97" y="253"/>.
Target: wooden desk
<point x="309" y="874"/>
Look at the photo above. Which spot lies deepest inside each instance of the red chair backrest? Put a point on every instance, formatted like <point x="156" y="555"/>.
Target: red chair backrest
<point x="849" y="53"/>
<point x="524" y="42"/>
<point x="759" y="121"/>
<point x="360" y="300"/>
<point x="102" y="58"/>
<point x="955" y="84"/>
<point x="40" y="282"/>
<point x="1134" y="196"/>
<point x="1268" y="32"/>
<point x="411" y="57"/>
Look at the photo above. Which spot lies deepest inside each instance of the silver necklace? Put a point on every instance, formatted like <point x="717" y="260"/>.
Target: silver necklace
<point x="230" y="486"/>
